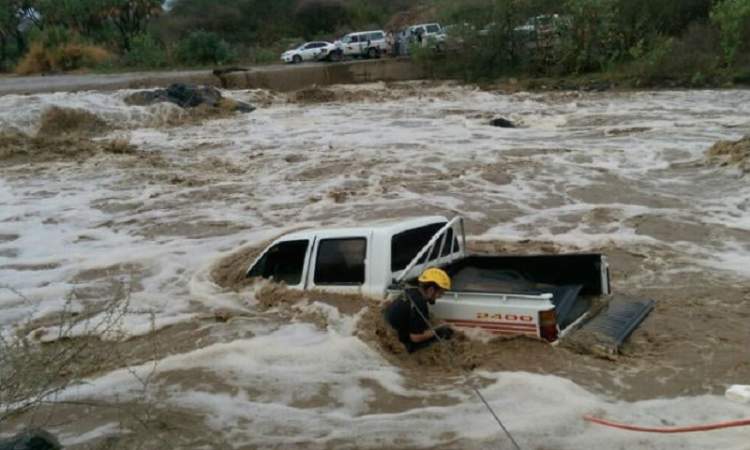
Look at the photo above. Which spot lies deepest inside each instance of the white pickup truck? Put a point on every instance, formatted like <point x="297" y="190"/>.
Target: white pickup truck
<point x="544" y="296"/>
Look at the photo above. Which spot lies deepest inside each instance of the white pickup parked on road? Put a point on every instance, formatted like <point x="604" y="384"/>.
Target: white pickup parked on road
<point x="535" y="295"/>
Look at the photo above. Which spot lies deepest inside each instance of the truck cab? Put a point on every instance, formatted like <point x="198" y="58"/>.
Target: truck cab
<point x="543" y="296"/>
<point x="360" y="260"/>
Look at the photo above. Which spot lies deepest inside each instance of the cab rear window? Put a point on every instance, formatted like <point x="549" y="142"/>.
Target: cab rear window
<point x="406" y="245"/>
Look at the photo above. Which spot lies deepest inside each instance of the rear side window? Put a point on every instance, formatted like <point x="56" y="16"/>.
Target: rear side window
<point x="446" y="247"/>
<point x="377" y="36"/>
<point x="433" y="28"/>
<point x="282" y="262"/>
<point x="406" y="245"/>
<point x="341" y="261"/>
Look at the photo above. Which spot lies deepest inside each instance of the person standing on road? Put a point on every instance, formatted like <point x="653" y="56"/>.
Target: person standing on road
<point x="390" y="42"/>
<point x="408" y="314"/>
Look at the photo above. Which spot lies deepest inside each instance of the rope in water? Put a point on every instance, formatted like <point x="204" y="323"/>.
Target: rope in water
<point x="452" y="356"/>
<point x="686" y="429"/>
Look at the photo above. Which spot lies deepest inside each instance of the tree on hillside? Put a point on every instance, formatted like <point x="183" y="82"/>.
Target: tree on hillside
<point x="639" y="21"/>
<point x="237" y="21"/>
<point x="8" y="25"/>
<point x="594" y="41"/>
<point x="14" y="18"/>
<point x="100" y="20"/>
<point x="733" y="19"/>
<point x="82" y="17"/>
<point x="316" y="17"/>
<point x="130" y="17"/>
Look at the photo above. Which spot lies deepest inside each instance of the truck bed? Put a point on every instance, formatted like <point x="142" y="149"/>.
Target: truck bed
<point x="490" y="273"/>
<point x="573" y="279"/>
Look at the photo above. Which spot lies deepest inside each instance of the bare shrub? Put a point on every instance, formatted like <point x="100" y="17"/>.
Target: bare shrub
<point x="66" y="57"/>
<point x="36" y="367"/>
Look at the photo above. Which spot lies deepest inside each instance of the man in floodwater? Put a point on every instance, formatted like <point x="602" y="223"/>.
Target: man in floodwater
<point x="408" y="314"/>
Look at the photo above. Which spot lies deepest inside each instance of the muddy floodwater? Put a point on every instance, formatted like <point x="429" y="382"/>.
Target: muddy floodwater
<point x="103" y="200"/>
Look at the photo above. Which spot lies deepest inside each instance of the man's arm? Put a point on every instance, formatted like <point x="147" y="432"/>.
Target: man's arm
<point x="421" y="337"/>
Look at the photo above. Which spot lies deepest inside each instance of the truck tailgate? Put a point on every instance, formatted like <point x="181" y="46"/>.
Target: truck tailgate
<point x="608" y="329"/>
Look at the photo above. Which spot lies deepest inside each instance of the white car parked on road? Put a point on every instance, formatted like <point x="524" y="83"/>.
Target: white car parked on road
<point x="309" y="51"/>
<point x="369" y="44"/>
<point x="427" y="34"/>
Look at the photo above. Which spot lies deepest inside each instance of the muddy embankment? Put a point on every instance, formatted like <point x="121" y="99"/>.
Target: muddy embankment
<point x="322" y="74"/>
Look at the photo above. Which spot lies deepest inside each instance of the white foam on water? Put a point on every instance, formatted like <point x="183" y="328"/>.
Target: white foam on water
<point x="67" y="440"/>
<point x="303" y="385"/>
<point x="22" y="113"/>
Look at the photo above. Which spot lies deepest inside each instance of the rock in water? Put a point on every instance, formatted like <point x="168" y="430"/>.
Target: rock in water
<point x="191" y="96"/>
<point x="186" y="96"/>
<point x="733" y="153"/>
<point x="35" y="439"/>
<point x="502" y="123"/>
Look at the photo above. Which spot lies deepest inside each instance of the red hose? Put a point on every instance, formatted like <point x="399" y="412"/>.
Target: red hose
<point x="688" y="429"/>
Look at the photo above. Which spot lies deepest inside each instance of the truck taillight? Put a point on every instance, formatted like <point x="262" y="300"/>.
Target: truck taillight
<point x="548" y="325"/>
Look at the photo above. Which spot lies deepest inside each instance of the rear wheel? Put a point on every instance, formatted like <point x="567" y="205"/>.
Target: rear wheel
<point x="297" y="59"/>
<point x="372" y="53"/>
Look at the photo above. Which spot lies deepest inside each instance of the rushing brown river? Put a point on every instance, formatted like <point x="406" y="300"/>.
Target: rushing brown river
<point x="160" y="203"/>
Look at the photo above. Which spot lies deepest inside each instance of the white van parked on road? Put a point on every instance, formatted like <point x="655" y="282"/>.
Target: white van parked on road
<point x="370" y="44"/>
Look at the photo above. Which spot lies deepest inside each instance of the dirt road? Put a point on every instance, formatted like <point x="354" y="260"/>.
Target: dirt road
<point x="282" y="77"/>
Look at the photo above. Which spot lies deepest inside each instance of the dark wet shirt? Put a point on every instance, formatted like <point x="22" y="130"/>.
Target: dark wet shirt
<point x="402" y="315"/>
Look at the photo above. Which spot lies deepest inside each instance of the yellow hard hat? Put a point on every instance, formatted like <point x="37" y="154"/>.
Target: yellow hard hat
<point x="437" y="276"/>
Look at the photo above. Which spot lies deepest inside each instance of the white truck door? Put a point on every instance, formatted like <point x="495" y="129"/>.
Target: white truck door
<point x="353" y="47"/>
<point x="339" y="264"/>
<point x="283" y="261"/>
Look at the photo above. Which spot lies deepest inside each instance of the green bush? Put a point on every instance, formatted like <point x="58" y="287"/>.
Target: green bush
<point x="733" y="19"/>
<point x="693" y="59"/>
<point x="54" y="37"/>
<point x="265" y="56"/>
<point x="59" y="49"/>
<point x="145" y="51"/>
<point x="202" y="47"/>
